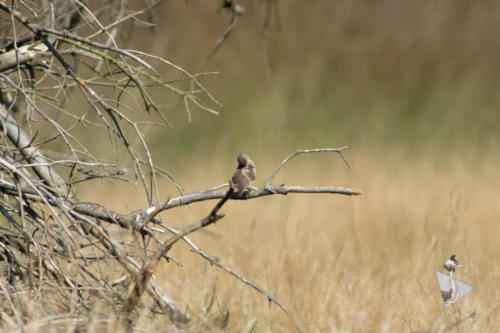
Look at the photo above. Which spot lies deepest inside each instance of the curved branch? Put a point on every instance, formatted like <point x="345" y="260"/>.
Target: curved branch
<point x="306" y="151"/>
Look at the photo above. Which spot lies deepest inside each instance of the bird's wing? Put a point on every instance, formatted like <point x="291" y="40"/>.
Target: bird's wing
<point x="249" y="173"/>
<point x="239" y="181"/>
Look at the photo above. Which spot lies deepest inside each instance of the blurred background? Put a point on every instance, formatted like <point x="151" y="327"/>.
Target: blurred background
<point x="419" y="77"/>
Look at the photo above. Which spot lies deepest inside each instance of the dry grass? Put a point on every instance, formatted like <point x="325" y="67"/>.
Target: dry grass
<point x="341" y="264"/>
<point x="362" y="263"/>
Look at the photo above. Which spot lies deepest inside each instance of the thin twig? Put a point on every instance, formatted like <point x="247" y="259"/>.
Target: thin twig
<point x="217" y="262"/>
<point x="143" y="277"/>
<point x="307" y="151"/>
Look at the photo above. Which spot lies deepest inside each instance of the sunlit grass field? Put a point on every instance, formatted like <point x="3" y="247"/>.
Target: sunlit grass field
<point x="339" y="263"/>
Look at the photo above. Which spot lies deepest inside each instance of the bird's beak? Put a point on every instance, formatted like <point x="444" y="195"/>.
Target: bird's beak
<point x="459" y="265"/>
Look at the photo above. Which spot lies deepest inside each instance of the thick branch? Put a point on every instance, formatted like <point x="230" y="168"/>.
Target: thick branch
<point x="256" y="193"/>
<point x="137" y="221"/>
<point x="22" y="142"/>
<point x="24" y="54"/>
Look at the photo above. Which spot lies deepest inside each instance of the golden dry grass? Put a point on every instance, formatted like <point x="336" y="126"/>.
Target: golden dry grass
<point x="337" y="263"/>
<point x="345" y="263"/>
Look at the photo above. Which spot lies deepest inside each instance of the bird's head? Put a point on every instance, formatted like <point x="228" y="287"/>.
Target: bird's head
<point x="451" y="264"/>
<point x="242" y="160"/>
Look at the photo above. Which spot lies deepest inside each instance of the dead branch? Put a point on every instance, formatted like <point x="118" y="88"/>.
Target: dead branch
<point x="113" y="119"/>
<point x="23" y="55"/>
<point x="137" y="221"/>
<point x="143" y="277"/>
<point x="308" y="151"/>
<point x="32" y="154"/>
<point x="254" y="193"/>
<point x="70" y="247"/>
<point x="65" y="247"/>
<point x="235" y="10"/>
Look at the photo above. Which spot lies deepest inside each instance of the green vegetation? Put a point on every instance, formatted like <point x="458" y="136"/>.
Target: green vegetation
<point x="410" y="75"/>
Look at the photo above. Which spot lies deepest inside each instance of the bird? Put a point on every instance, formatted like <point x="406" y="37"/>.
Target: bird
<point x="244" y="175"/>
<point x="453" y="294"/>
<point x="242" y="178"/>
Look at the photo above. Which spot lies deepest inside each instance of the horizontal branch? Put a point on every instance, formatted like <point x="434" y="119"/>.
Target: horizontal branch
<point x="138" y="221"/>
<point x="256" y="193"/>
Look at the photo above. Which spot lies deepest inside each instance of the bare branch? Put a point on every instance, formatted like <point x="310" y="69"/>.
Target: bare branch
<point x="235" y="10"/>
<point x="24" y="54"/>
<point x="307" y="151"/>
<point x="143" y="277"/>
<point x="41" y="165"/>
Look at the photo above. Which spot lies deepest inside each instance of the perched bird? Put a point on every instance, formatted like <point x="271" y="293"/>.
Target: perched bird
<point x="244" y="174"/>
<point x="241" y="179"/>
<point x="453" y="294"/>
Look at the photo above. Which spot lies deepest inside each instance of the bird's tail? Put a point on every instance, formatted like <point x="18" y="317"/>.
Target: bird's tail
<point x="223" y="200"/>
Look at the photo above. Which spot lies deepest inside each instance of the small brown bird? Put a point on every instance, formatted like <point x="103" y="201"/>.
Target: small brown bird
<point x="244" y="174"/>
<point x="242" y="178"/>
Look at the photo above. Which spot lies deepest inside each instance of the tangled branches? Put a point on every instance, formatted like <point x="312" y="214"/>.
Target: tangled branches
<point x="38" y="69"/>
<point x="56" y="55"/>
